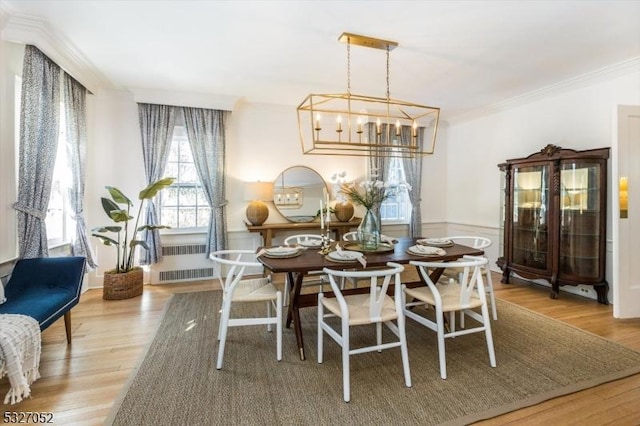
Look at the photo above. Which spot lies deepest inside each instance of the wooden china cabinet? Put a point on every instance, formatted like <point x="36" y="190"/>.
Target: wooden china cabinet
<point x="554" y="218"/>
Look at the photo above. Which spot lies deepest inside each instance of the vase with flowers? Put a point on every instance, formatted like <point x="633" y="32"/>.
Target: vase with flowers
<point x="370" y="194"/>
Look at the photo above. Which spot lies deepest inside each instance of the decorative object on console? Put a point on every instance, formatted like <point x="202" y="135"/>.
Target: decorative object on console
<point x="116" y="285"/>
<point x="372" y="125"/>
<point x="257" y="192"/>
<point x="554" y="211"/>
<point x="343" y="211"/>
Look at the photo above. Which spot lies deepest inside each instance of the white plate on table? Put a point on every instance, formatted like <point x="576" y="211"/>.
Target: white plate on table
<point x="421" y="250"/>
<point x="281" y="251"/>
<point x="345" y="255"/>
<point x="436" y="242"/>
<point x="310" y="243"/>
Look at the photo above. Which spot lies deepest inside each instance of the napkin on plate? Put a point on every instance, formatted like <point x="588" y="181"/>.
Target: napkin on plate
<point x="360" y="259"/>
<point x="388" y="239"/>
<point x="427" y="250"/>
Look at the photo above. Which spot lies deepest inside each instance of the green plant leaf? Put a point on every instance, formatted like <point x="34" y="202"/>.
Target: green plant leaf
<point x="106" y="240"/>
<point x="108" y="205"/>
<point x="151" y="190"/>
<point x="152" y="227"/>
<point x="115" y="229"/>
<point x="118" y="196"/>
<point x="120" y="215"/>
<point x="140" y="243"/>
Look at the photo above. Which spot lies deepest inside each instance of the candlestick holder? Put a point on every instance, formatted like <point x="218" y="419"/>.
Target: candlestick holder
<point x="326" y="242"/>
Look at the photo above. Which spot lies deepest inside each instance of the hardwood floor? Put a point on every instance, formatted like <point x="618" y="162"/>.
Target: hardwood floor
<point x="80" y="382"/>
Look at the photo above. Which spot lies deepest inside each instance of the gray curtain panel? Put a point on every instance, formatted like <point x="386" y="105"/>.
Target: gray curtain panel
<point x="206" y="134"/>
<point x="378" y="158"/>
<point x="75" y="95"/>
<point x="413" y="175"/>
<point x="39" y="130"/>
<point x="156" y="128"/>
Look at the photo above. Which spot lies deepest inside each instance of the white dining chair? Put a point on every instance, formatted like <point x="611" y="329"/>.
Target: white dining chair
<point x="351" y="236"/>
<point x="480" y="243"/>
<point x="236" y="289"/>
<point x="466" y="296"/>
<point x="375" y="307"/>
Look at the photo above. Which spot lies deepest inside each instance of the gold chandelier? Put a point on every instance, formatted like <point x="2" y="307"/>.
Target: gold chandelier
<point x="359" y="125"/>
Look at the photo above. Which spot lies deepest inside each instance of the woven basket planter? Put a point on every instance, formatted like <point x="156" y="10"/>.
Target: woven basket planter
<point x="124" y="285"/>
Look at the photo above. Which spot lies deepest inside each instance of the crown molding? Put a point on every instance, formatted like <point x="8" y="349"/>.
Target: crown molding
<point x="583" y="80"/>
<point x="186" y="99"/>
<point x="27" y="29"/>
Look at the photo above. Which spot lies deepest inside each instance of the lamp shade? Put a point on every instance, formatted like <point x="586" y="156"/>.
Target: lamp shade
<point x="257" y="192"/>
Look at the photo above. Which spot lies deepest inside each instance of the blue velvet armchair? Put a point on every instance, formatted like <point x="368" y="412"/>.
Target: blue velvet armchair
<point x="45" y="288"/>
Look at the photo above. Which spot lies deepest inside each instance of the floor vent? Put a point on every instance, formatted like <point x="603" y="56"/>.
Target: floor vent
<point x="186" y="274"/>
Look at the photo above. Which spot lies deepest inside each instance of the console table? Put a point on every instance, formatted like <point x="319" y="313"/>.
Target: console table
<point x="269" y="230"/>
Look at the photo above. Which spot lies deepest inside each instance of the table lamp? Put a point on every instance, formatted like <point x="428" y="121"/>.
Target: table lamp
<point x="257" y="192"/>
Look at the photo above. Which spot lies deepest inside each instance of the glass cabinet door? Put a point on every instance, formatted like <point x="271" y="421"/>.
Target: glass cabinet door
<point x="580" y="211"/>
<point x="530" y="219"/>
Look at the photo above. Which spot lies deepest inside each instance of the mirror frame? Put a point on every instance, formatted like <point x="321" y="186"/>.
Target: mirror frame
<point x="297" y="196"/>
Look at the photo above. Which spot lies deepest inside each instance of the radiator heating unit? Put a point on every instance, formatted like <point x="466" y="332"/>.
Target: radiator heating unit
<point x="182" y="262"/>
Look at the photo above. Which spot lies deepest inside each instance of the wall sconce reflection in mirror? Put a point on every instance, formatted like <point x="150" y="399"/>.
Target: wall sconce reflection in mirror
<point x="288" y="197"/>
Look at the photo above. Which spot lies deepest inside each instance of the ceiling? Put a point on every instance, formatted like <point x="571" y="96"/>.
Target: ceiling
<point x="457" y="55"/>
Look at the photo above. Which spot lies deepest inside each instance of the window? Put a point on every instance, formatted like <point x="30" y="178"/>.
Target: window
<point x="396" y="208"/>
<point x="183" y="204"/>
<point x="58" y="213"/>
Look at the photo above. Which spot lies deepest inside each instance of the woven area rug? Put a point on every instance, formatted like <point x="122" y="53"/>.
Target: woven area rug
<point x="177" y="383"/>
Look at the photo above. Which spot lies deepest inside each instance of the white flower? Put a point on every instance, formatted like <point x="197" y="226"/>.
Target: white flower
<point x="368" y="193"/>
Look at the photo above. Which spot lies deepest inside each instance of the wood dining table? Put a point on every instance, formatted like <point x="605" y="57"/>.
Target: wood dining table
<point x="311" y="259"/>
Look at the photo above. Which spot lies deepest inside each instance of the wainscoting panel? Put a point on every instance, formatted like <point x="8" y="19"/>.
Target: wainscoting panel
<point x="492" y="252"/>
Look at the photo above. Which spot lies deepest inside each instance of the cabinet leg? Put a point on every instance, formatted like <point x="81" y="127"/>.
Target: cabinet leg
<point x="555" y="288"/>
<point x="505" y="276"/>
<point x="603" y="292"/>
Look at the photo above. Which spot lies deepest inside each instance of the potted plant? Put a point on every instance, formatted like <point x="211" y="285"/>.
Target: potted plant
<point x="125" y="280"/>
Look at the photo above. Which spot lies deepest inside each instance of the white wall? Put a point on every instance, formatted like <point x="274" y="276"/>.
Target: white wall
<point x="10" y="67"/>
<point x="576" y="119"/>
<point x="114" y="158"/>
<point x="579" y="119"/>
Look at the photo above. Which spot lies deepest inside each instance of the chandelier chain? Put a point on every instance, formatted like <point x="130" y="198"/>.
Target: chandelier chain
<point x="349" y="66"/>
<point x="388" y="92"/>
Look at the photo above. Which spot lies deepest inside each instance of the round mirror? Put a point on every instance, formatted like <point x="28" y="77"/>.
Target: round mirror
<point x="297" y="192"/>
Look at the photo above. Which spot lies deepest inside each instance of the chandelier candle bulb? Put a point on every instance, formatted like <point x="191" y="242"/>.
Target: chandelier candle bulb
<point x="339" y="119"/>
<point x="318" y="128"/>
<point x="378" y="127"/>
<point x="415" y="129"/>
<point x="397" y="127"/>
